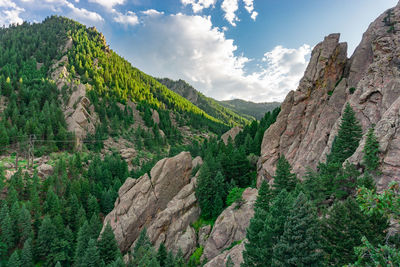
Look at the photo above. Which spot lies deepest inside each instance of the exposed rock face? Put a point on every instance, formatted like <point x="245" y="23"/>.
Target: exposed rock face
<point x="231" y="225"/>
<point x="78" y="111"/>
<point x="128" y="153"/>
<point x="155" y="116"/>
<point x="310" y="116"/>
<point x="164" y="203"/>
<point x="231" y="133"/>
<point x="45" y="170"/>
<point x="235" y="253"/>
<point x="171" y="226"/>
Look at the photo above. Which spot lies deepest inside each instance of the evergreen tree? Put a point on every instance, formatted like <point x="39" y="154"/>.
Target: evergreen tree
<point x="348" y="138"/>
<point x="108" y="246"/>
<point x="45" y="239"/>
<point x="344" y="228"/>
<point x="284" y="178"/>
<point x="14" y="260"/>
<point x="371" y="151"/>
<point x="162" y="254"/>
<point x="91" y="258"/>
<point x="143" y="251"/>
<point x="7" y="231"/>
<point x="24" y="224"/>
<point x="82" y="243"/>
<point x="299" y="244"/>
<point x="264" y="196"/>
<point x="26" y="254"/>
<point x="265" y="230"/>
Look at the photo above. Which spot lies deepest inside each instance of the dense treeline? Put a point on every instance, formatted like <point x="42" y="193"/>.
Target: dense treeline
<point x="318" y="222"/>
<point x="32" y="105"/>
<point x="228" y="169"/>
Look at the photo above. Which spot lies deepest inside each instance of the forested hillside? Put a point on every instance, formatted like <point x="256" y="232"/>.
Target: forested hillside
<point x="248" y="108"/>
<point x="209" y="105"/>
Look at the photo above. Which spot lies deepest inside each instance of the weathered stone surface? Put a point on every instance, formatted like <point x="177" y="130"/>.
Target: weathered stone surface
<point x="163" y="202"/>
<point x="231" y="225"/>
<point x="310" y="118"/>
<point x="204" y="233"/>
<point x="307" y="115"/>
<point x="155" y="116"/>
<point x="235" y="253"/>
<point x="172" y="225"/>
<point x="128" y="153"/>
<point x="197" y="161"/>
<point x="231" y="133"/>
<point x="45" y="170"/>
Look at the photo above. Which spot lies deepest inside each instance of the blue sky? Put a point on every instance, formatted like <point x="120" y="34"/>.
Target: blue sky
<point x="251" y="49"/>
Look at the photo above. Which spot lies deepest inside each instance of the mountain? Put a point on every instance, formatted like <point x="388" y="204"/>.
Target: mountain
<point x="249" y="109"/>
<point x="369" y="81"/>
<point x="209" y="105"/>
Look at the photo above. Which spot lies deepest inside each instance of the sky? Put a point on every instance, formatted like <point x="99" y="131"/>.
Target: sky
<point x="255" y="50"/>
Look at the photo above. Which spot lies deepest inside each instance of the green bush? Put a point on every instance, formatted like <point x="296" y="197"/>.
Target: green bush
<point x="195" y="258"/>
<point x="234" y="195"/>
<point x="352" y="90"/>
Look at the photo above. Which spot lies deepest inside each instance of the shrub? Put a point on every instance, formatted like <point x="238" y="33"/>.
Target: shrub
<point x="234" y="195"/>
<point x="352" y="90"/>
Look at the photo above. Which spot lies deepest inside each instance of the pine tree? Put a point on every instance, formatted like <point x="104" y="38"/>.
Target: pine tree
<point x="348" y="138"/>
<point x="91" y="258"/>
<point x="24" y="224"/>
<point x="143" y="251"/>
<point x="371" y="151"/>
<point x="14" y="259"/>
<point x="264" y="196"/>
<point x="284" y="178"/>
<point x="26" y="254"/>
<point x="7" y="232"/>
<point x="344" y="228"/>
<point x="82" y="243"/>
<point x="45" y="239"/>
<point x="108" y="246"/>
<point x="162" y="254"/>
<point x="265" y="230"/>
<point x="299" y="244"/>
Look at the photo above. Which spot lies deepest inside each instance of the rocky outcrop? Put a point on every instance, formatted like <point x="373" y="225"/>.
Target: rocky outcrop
<point x="310" y="116"/>
<point x="163" y="202"/>
<point x="171" y="226"/>
<point x="235" y="253"/>
<point x="231" y="225"/>
<point x="231" y="133"/>
<point x="45" y="170"/>
<point x="78" y="111"/>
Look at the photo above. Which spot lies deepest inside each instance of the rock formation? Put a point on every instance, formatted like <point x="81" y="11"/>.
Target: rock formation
<point x="231" y="225"/>
<point x="163" y="202"/>
<point x="231" y="133"/>
<point x="234" y="253"/>
<point x="310" y="116"/>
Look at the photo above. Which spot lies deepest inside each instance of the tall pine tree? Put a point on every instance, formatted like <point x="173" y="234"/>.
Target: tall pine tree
<point x="284" y="178"/>
<point x="299" y="244"/>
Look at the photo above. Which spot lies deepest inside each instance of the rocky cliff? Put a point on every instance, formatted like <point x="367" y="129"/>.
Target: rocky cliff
<point x="369" y="81"/>
<point x="163" y="202"/>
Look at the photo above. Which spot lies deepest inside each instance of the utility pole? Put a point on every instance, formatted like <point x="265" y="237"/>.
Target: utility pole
<point x="31" y="150"/>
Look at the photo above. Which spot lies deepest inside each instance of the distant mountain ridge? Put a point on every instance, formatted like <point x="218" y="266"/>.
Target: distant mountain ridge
<point x="232" y="112"/>
<point x="209" y="105"/>
<point x="248" y="108"/>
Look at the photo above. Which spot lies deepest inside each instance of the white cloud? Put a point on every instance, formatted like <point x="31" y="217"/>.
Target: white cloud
<point x="199" y="5"/>
<point x="108" y="3"/>
<point x="129" y="18"/>
<point x="83" y="14"/>
<point x="190" y="48"/>
<point x="10" y="13"/>
<point x="254" y="15"/>
<point x="152" y="12"/>
<point x="249" y="6"/>
<point x="230" y="7"/>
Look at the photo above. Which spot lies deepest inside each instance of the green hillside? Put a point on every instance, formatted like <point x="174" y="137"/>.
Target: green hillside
<point x="31" y="100"/>
<point x="208" y="104"/>
<point x="248" y="108"/>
